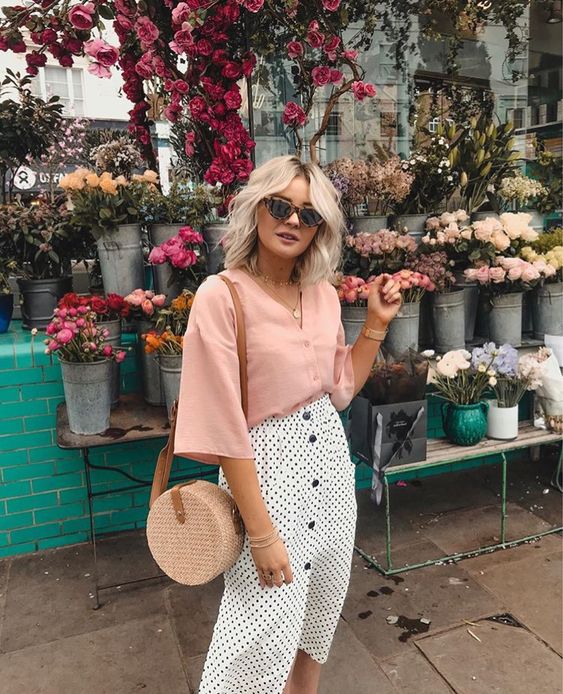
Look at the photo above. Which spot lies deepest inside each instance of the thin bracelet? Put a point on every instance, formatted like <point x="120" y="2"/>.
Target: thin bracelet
<point x="269" y="544"/>
<point x="264" y="541"/>
<point x="372" y="334"/>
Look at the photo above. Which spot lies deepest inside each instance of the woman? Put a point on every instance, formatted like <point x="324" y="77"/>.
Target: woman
<point x="287" y="467"/>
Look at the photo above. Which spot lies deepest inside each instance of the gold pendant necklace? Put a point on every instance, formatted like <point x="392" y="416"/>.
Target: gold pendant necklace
<point x="295" y="311"/>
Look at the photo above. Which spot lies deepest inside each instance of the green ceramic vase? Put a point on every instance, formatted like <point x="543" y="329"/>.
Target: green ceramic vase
<point x="465" y="425"/>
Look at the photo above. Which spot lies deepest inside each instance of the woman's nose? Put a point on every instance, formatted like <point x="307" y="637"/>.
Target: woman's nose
<point x="293" y="219"/>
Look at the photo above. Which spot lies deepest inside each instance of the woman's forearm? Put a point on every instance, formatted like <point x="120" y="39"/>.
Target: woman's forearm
<point x="364" y="353"/>
<point x="243" y="481"/>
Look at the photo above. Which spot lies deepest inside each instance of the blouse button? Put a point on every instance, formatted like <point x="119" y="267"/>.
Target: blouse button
<point x="307" y="566"/>
<point x="315" y="483"/>
<point x="311" y="525"/>
<point x="306" y="416"/>
<point x="312" y="438"/>
<point x="307" y="343"/>
<point x="315" y="377"/>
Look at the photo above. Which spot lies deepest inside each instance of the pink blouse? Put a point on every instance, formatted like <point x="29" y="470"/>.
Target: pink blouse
<point x="288" y="366"/>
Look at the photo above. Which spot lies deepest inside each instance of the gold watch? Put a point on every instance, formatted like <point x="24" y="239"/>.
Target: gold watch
<point x="371" y="334"/>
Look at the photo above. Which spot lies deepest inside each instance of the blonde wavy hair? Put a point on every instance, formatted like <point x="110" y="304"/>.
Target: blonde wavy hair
<point x="320" y="260"/>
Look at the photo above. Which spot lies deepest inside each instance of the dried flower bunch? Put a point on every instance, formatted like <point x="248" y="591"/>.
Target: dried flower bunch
<point x="368" y="254"/>
<point x="119" y="157"/>
<point x="76" y="337"/>
<point x="436" y="266"/>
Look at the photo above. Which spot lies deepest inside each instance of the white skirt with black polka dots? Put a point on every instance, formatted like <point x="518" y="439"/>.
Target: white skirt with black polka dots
<point x="307" y="482"/>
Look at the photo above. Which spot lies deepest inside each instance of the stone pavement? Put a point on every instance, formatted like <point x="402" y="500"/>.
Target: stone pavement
<point x="495" y="620"/>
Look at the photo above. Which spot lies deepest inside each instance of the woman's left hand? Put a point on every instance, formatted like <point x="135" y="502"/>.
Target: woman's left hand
<point x="384" y="300"/>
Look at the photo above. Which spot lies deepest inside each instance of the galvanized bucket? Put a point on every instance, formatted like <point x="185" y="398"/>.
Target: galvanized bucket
<point x="368" y="223"/>
<point x="114" y="339"/>
<point x="212" y="235"/>
<point x="480" y="216"/>
<point x="448" y="318"/>
<point x="471" y="300"/>
<point x="121" y="260"/>
<point x="505" y="319"/>
<point x="537" y="221"/>
<point x="547" y="310"/>
<point x="425" y="327"/>
<point x="39" y="298"/>
<point x="414" y="223"/>
<point x="153" y="391"/>
<point x="87" y="388"/>
<point x="170" y="369"/>
<point x="353" y="318"/>
<point x="162" y="274"/>
<point x="403" y="330"/>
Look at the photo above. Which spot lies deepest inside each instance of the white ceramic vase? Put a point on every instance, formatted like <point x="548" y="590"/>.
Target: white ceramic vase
<point x="502" y="422"/>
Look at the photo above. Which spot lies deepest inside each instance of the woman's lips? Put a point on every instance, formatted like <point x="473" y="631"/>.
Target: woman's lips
<point x="287" y="238"/>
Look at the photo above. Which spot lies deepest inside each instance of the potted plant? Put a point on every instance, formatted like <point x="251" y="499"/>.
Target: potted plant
<point x="44" y="244"/>
<point x="403" y="333"/>
<point x="179" y="262"/>
<point x="109" y="207"/>
<point x="464" y="414"/>
<point x="448" y="303"/>
<point x="144" y="305"/>
<point x="108" y="312"/>
<point x="166" y="343"/>
<point x="547" y="297"/>
<point x="86" y="362"/>
<point x="434" y="181"/>
<point x="510" y="378"/>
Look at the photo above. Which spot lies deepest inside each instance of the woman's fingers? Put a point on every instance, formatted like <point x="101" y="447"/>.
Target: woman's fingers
<point x="288" y="574"/>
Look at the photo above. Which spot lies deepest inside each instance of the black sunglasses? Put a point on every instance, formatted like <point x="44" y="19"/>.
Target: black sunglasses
<point x="283" y="209"/>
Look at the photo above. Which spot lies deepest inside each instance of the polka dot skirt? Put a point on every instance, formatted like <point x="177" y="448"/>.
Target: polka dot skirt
<point x="307" y="482"/>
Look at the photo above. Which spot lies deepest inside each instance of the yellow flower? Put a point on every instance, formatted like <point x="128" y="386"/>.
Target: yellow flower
<point x="121" y="181"/>
<point x="71" y="182"/>
<point x="108" y="185"/>
<point x="106" y="176"/>
<point x="93" y="180"/>
<point x="150" y="176"/>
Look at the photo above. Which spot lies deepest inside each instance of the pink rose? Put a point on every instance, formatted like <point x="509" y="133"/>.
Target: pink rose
<point x="81" y="16"/>
<point x="157" y="256"/>
<point x="335" y="75"/>
<point x="181" y="13"/>
<point x="514" y="274"/>
<point x="120" y="356"/>
<point x="314" y="38"/>
<point x="331" y="5"/>
<point x="232" y="70"/>
<point x="293" y="114"/>
<point x="497" y="275"/>
<point x="350" y="54"/>
<point x="529" y="273"/>
<point x="134" y="299"/>
<point x="253" y="5"/>
<point x="370" y="89"/>
<point x="483" y="274"/>
<point x="99" y="70"/>
<point x="147" y="307"/>
<point x="359" y="90"/>
<point x="320" y="75"/>
<point x="331" y="44"/>
<point x="101" y="52"/>
<point x="107" y="350"/>
<point x="64" y="336"/>
<point x="233" y="98"/>
<point x="146" y="31"/>
<point x="159" y="300"/>
<point x="294" y="49"/>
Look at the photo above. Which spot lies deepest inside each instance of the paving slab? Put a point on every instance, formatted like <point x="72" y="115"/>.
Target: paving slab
<point x="444" y="594"/>
<point x="531" y="588"/>
<point x="507" y="660"/>
<point x="410" y="672"/>
<point x="49" y="593"/>
<point x="123" y="659"/>
<point x="193" y="612"/>
<point x="4" y="572"/>
<point x="464" y="530"/>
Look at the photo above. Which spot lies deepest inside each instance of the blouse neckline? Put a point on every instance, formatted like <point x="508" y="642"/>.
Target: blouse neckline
<point x="279" y="303"/>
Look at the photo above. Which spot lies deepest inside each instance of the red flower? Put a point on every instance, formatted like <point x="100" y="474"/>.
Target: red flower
<point x="204" y="47"/>
<point x="146" y="31"/>
<point x="99" y="305"/>
<point x="232" y="70"/>
<point x="253" y="5"/>
<point x="294" y="115"/>
<point x="331" y="5"/>
<point x="331" y="44"/>
<point x="363" y="89"/>
<point x="233" y="98"/>
<point x="294" y="49"/>
<point x="315" y="38"/>
<point x="321" y="75"/>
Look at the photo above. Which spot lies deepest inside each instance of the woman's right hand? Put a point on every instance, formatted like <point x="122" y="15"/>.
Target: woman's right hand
<point x="272" y="564"/>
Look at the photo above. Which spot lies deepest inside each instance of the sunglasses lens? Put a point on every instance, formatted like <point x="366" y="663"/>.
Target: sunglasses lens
<point x="279" y="209"/>
<point x="310" y="217"/>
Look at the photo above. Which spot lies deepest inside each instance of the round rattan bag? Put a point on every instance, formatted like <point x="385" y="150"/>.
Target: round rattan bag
<point x="194" y="532"/>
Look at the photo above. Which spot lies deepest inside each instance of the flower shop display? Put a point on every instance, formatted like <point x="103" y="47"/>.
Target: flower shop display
<point x="179" y="262"/>
<point x="108" y="312"/>
<point x="519" y="192"/>
<point x="403" y="331"/>
<point x="86" y="361"/>
<point x="144" y="311"/>
<point x="367" y="254"/>
<point x="109" y="207"/>
<point x="547" y="297"/>
<point x="464" y="414"/>
<point x="504" y="283"/>
<point x="447" y="302"/>
<point x="434" y="180"/>
<point x="509" y="378"/>
<point x="353" y="293"/>
<point x="389" y="416"/>
<point x="166" y="343"/>
<point x="42" y="242"/>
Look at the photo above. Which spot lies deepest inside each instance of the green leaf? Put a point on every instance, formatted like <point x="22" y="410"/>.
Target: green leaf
<point x="105" y="213"/>
<point x="105" y="11"/>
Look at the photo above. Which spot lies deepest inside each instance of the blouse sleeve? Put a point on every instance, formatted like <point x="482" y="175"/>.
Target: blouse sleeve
<point x="210" y="421"/>
<point x="343" y="389"/>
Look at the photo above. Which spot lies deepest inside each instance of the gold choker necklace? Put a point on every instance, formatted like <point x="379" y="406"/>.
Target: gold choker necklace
<point x="266" y="278"/>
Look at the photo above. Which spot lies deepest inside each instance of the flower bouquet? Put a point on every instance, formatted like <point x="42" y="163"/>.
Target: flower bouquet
<point x="518" y="191"/>
<point x="143" y="304"/>
<point x="464" y="414"/>
<point x="367" y="254"/>
<point x="547" y="297"/>
<point x="86" y="363"/>
<point x="184" y="256"/>
<point x="509" y="378"/>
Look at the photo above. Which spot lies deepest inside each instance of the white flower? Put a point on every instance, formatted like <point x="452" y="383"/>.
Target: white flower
<point x="491" y="372"/>
<point x="439" y="170"/>
<point x="450" y="178"/>
<point x="481" y="368"/>
<point x="34" y="331"/>
<point x="429" y="353"/>
<point x="492" y="381"/>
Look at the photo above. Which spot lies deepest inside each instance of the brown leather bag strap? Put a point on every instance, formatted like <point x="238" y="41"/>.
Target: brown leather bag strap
<point x="166" y="455"/>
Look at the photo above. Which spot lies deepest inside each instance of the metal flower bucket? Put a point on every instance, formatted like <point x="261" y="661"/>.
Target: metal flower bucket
<point x="87" y="388"/>
<point x="170" y="369"/>
<point x="403" y="330"/>
<point x="153" y="391"/>
<point x="121" y="260"/>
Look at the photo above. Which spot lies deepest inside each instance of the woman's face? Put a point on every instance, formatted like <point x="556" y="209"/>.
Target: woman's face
<point x="286" y="238"/>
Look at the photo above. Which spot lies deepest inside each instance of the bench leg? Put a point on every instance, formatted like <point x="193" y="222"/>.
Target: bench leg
<point x="503" y="501"/>
<point x="387" y="525"/>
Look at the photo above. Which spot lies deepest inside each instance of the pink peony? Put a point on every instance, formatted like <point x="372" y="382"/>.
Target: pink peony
<point x="147" y="307"/>
<point x="81" y="16"/>
<point x="293" y="114"/>
<point x="146" y="31"/>
<point x="350" y="54"/>
<point x="157" y="256"/>
<point x="65" y="335"/>
<point x="120" y="356"/>
<point x="107" y="350"/>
